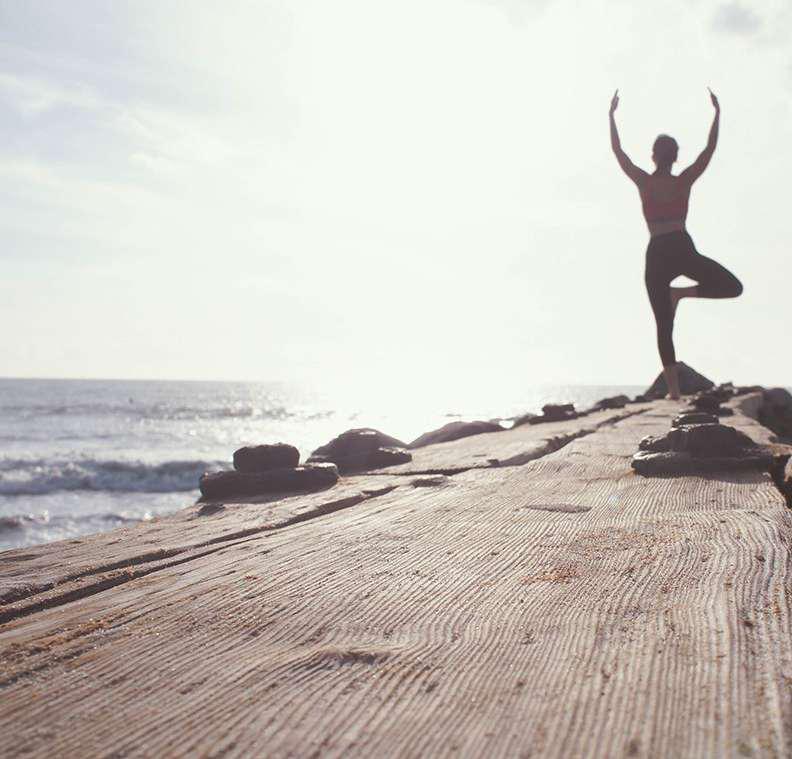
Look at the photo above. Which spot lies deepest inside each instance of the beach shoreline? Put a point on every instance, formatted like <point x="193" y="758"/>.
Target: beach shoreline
<point x="88" y="456"/>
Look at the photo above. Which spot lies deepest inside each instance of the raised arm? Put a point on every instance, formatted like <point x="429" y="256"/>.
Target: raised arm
<point x="629" y="168"/>
<point x="696" y="169"/>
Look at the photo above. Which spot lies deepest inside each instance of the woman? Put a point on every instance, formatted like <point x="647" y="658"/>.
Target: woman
<point x="671" y="251"/>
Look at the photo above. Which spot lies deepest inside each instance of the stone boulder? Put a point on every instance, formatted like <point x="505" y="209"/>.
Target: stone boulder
<point x="706" y="404"/>
<point x="776" y="411"/>
<point x="555" y="412"/>
<point x="655" y="444"/>
<point x="695" y="448"/>
<point x="358" y="440"/>
<point x="262" y="458"/>
<point x="690" y="381"/>
<point x="376" y="458"/>
<point x="523" y="419"/>
<point x="708" y="440"/>
<point x="616" y="401"/>
<point x="454" y="431"/>
<point x="679" y="464"/>
<point x="745" y="389"/>
<point x="361" y="449"/>
<point x="724" y="391"/>
<point x="778" y="398"/>
<point x="709" y="402"/>
<point x="301" y="479"/>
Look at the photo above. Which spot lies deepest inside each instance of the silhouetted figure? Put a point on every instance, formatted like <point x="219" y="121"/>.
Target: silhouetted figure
<point x="671" y="251"/>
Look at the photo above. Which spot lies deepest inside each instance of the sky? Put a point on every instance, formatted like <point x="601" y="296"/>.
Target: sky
<point x="412" y="193"/>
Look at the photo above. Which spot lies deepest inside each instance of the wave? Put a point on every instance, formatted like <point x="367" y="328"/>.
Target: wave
<point x="159" y="411"/>
<point x="39" y="477"/>
<point x="20" y="521"/>
<point x="45" y="524"/>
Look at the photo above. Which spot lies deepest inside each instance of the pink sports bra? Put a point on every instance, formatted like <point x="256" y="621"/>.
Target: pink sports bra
<point x="665" y="210"/>
<point x="665" y="203"/>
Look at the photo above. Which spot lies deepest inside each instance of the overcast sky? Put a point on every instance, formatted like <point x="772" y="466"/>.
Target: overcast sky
<point x="369" y="189"/>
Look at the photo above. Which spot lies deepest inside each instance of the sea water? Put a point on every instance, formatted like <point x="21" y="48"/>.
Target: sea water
<point x="83" y="456"/>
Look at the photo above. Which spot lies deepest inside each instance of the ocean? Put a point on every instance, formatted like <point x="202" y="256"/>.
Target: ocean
<point x="85" y="456"/>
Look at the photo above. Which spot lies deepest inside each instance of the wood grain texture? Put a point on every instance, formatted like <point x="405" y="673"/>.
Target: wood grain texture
<point x="110" y="557"/>
<point x="30" y="574"/>
<point x="508" y="447"/>
<point x="562" y="608"/>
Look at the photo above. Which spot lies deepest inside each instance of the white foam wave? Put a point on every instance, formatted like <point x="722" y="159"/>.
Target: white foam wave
<point x="158" y="411"/>
<point x="38" y="477"/>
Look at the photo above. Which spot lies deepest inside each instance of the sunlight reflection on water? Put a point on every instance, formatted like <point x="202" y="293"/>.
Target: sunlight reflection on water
<point x="86" y="456"/>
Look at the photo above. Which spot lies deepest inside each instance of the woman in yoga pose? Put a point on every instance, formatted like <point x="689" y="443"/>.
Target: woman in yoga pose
<point x="671" y="251"/>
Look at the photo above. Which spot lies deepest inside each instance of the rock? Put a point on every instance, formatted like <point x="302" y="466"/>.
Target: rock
<point x="781" y="475"/>
<point x="709" y="403"/>
<point x="262" y="458"/>
<point x="776" y="411"/>
<point x="745" y="389"/>
<point x="694" y="417"/>
<point x="454" y="431"/>
<point x="724" y="391"/>
<point x="681" y="463"/>
<point x="654" y="443"/>
<point x="360" y="449"/>
<point x="640" y="399"/>
<point x="524" y="419"/>
<point x="559" y="410"/>
<point x="690" y="381"/>
<point x="700" y="448"/>
<point x="555" y="412"/>
<point x="721" y="393"/>
<point x="303" y="479"/>
<point x="706" y="404"/>
<point x="778" y="398"/>
<point x="708" y="440"/>
<point x="373" y="459"/>
<point x="358" y="440"/>
<point x="616" y="401"/>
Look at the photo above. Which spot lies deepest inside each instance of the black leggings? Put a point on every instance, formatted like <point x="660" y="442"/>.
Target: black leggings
<point x="667" y="257"/>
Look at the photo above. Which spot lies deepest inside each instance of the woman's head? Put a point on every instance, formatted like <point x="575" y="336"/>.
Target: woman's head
<point x="665" y="151"/>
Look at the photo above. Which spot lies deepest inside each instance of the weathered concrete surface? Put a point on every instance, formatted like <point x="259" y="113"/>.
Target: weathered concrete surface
<point x="508" y="447"/>
<point x="561" y="608"/>
<point x="30" y="577"/>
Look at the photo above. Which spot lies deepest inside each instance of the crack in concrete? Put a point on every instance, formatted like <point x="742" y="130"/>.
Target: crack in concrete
<point x="125" y="570"/>
<point x="542" y="448"/>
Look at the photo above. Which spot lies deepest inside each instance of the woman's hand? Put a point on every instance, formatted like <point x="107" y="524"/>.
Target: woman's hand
<point x="714" y="99"/>
<point x="615" y="102"/>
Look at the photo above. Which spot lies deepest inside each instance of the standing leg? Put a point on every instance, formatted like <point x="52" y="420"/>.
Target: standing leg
<point x="677" y="293"/>
<point x="671" y="374"/>
<point x="657" y="285"/>
<point x="714" y="281"/>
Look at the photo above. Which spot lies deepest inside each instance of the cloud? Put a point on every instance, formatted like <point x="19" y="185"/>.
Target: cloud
<point x="34" y="96"/>
<point x="518" y="11"/>
<point x="735" y="18"/>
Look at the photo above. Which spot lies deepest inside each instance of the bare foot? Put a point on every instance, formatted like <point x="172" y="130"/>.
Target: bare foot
<point x="671" y="397"/>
